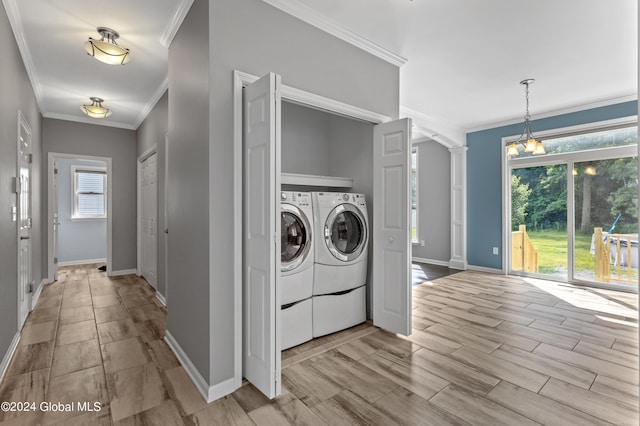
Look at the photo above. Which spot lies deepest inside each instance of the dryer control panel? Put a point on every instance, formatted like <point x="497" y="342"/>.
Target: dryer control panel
<point x="297" y="198"/>
<point x="335" y="198"/>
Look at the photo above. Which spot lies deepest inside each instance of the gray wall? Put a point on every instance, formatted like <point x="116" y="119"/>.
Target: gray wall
<point x="78" y="239"/>
<point x="151" y="133"/>
<point x="188" y="189"/>
<point x="16" y="94"/>
<point x="67" y="137"/>
<point x="434" y="202"/>
<point x="251" y="36"/>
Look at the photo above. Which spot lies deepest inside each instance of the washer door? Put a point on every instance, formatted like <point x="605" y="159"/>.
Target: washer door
<point x="345" y="232"/>
<point x="295" y="237"/>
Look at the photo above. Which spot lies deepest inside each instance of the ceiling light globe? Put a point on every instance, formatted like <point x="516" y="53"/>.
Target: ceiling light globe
<point x="107" y="52"/>
<point x="539" y="150"/>
<point x="530" y="146"/>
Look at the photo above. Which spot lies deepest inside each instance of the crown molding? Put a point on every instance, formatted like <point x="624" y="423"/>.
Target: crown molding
<point x="439" y="130"/>
<point x="311" y="17"/>
<point x="176" y="21"/>
<point x="11" y="7"/>
<point x="152" y="102"/>
<point x="96" y="122"/>
<point x="557" y="112"/>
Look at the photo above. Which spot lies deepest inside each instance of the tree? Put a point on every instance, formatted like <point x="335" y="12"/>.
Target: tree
<point x="519" y="201"/>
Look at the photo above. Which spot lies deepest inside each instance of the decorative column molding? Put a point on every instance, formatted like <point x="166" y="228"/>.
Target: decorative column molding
<point x="458" y="208"/>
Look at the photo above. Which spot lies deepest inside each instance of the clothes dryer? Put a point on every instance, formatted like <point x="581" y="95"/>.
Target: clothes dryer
<point x="297" y="266"/>
<point x="340" y="274"/>
<point x="342" y="228"/>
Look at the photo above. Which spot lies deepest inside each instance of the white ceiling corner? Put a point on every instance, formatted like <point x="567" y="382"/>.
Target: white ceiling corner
<point x="328" y="25"/>
<point x="15" y="21"/>
<point x="176" y="20"/>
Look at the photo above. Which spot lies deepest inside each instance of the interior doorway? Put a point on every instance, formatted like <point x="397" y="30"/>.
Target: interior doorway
<point x="79" y="211"/>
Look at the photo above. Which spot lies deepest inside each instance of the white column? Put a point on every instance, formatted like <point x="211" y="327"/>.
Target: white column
<point x="458" y="208"/>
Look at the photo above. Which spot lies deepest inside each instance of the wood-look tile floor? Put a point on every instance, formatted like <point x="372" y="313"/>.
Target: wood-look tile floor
<point x="485" y="350"/>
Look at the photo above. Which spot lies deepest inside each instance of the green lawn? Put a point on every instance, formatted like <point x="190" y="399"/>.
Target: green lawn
<point x="552" y="251"/>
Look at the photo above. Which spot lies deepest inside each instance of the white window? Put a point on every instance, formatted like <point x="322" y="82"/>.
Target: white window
<point x="414" y="195"/>
<point x="89" y="192"/>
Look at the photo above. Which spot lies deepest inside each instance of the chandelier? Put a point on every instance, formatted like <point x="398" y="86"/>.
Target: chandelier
<point x="526" y="139"/>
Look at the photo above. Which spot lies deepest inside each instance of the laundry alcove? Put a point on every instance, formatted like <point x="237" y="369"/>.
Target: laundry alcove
<point x="285" y="130"/>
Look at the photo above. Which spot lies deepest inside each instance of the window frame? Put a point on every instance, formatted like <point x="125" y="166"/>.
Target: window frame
<point x="75" y="171"/>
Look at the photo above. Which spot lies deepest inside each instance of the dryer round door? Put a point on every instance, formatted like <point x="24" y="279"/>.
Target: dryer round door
<point x="345" y="232"/>
<point x="295" y="237"/>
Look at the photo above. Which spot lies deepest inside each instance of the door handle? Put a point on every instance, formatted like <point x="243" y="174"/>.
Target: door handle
<point x="24" y="238"/>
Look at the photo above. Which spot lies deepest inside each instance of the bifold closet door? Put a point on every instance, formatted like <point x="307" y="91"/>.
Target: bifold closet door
<point x="150" y="219"/>
<point x="261" y="235"/>
<point x="391" y="274"/>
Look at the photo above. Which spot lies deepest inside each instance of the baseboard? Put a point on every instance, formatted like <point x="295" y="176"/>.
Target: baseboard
<point x="484" y="269"/>
<point x="36" y="295"/>
<point x="457" y="264"/>
<point x="161" y="298"/>
<point x="123" y="272"/>
<point x="82" y="262"/>
<point x="209" y="393"/>
<point x="9" y="355"/>
<point x="430" y="261"/>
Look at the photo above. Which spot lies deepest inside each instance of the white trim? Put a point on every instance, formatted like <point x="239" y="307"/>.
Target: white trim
<point x="23" y="124"/>
<point x="176" y="21"/>
<point x="556" y="112"/>
<point x="82" y="262"/>
<point x="433" y="128"/>
<point x="328" y="25"/>
<point x="51" y="196"/>
<point x="36" y="294"/>
<point x="85" y="120"/>
<point x="209" y="393"/>
<point x="122" y="272"/>
<point x="238" y="83"/>
<point x="430" y="261"/>
<point x="458" y="159"/>
<point x="148" y="107"/>
<point x="161" y="298"/>
<point x="299" y="96"/>
<point x="416" y="149"/>
<point x="8" y="356"/>
<point x="485" y="269"/>
<point x="11" y="7"/>
<point x="241" y="79"/>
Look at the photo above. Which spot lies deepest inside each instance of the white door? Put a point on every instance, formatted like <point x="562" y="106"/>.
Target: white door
<point x="56" y="221"/>
<point x="150" y="219"/>
<point x="391" y="273"/>
<point x="23" y="188"/>
<point x="261" y="231"/>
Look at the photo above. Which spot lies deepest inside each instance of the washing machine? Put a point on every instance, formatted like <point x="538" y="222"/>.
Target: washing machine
<point x="340" y="274"/>
<point x="297" y="266"/>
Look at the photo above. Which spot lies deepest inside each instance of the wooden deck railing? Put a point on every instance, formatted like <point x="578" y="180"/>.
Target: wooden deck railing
<point x="620" y="266"/>
<point x="524" y="256"/>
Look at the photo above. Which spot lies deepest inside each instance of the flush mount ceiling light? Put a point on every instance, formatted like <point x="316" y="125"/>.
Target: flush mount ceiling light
<point x="96" y="110"/>
<point x="106" y="49"/>
<point x="526" y="139"/>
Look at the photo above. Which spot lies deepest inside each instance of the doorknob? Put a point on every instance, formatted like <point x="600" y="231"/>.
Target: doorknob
<point x="390" y="240"/>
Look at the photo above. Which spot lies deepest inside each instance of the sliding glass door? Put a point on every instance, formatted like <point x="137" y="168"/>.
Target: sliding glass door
<point x="606" y="221"/>
<point x="573" y="213"/>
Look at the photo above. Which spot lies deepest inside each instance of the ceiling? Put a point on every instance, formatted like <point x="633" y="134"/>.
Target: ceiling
<point x="464" y="58"/>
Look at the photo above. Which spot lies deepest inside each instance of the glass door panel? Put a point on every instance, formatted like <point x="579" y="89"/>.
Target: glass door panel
<point x="539" y="221"/>
<point x="606" y="221"/>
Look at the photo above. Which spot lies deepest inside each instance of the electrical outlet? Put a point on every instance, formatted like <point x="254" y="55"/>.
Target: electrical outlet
<point x="422" y="243"/>
<point x="495" y="251"/>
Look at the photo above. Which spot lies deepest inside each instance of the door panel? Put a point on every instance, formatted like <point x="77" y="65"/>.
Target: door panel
<point x="391" y="226"/>
<point x="150" y="219"/>
<point x="261" y="239"/>
<point x="23" y="185"/>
